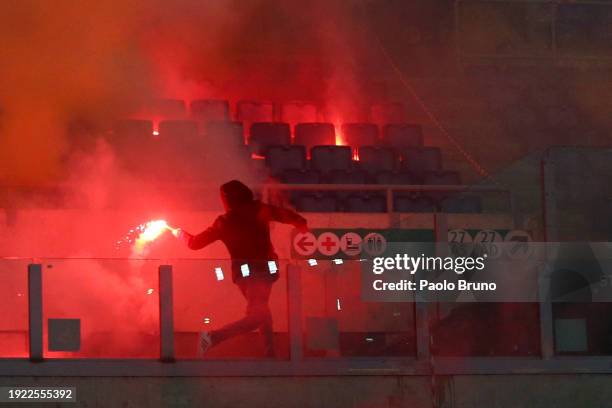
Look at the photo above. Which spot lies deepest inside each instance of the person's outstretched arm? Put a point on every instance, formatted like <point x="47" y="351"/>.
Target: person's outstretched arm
<point x="204" y="238"/>
<point x="285" y="216"/>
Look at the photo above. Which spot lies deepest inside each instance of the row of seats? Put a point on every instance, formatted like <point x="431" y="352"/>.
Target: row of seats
<point x="372" y="159"/>
<point x="206" y="110"/>
<point x="377" y="203"/>
<point x="416" y="163"/>
<point x="359" y="176"/>
<point x="265" y="134"/>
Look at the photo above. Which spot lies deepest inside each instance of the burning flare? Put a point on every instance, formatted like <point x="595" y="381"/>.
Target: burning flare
<point x="147" y="233"/>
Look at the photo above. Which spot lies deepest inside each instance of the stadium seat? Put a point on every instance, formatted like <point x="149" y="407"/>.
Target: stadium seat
<point x="222" y="130"/>
<point x="266" y="134"/>
<point x="252" y="111"/>
<point x="374" y="159"/>
<point x="396" y="177"/>
<point x="365" y="203"/>
<point x="130" y="136"/>
<point x="299" y="112"/>
<point x="402" y="135"/>
<point x="316" y="202"/>
<point x="181" y="151"/>
<point x="167" y="109"/>
<point x="346" y="177"/>
<point x="209" y="110"/>
<point x="360" y="134"/>
<point x="225" y="141"/>
<point x="387" y="113"/>
<point x="315" y="134"/>
<point x="462" y="204"/>
<point x="328" y="158"/>
<point x="178" y="128"/>
<point x="281" y="158"/>
<point x="413" y="203"/>
<point x="133" y="128"/>
<point x="295" y="176"/>
<point x="443" y="177"/>
<point x="419" y="160"/>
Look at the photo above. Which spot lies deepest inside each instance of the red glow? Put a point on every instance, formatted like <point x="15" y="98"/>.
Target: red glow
<point x="147" y="233"/>
<point x="341" y="141"/>
<point x="255" y="156"/>
<point x="339" y="137"/>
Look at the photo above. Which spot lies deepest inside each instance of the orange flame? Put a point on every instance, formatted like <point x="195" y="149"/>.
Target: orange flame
<point x="341" y="141"/>
<point x="150" y="232"/>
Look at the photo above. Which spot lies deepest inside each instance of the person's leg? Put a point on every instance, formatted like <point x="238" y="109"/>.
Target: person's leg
<point x="266" y="315"/>
<point x="258" y="313"/>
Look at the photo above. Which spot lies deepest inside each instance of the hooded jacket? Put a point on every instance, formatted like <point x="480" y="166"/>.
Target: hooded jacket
<point x="245" y="231"/>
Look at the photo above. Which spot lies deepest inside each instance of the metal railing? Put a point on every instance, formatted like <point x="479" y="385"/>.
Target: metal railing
<point x="388" y="190"/>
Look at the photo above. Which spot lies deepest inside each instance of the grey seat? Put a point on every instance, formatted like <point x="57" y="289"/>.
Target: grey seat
<point x="413" y="203"/>
<point x="420" y="160"/>
<point x="374" y="159"/>
<point x="262" y="135"/>
<point x="462" y="204"/>
<point x="328" y="158"/>
<point x="281" y="158"/>
<point x="402" y="135"/>
<point x="315" y="134"/>
<point x="316" y="202"/>
<point x="365" y="203"/>
<point x="360" y="134"/>
<point x="209" y="110"/>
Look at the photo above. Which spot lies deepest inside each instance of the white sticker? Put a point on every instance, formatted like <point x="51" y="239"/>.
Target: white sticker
<point x="244" y="268"/>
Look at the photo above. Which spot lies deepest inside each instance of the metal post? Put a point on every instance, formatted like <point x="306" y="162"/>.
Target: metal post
<point x="35" y="312"/>
<point x="166" y="314"/>
<point x="441" y="233"/>
<point x="546" y="317"/>
<point x="517" y="219"/>
<point x="294" y="300"/>
<point x="549" y="202"/>
<point x="423" y="335"/>
<point x="553" y="31"/>
<point x="424" y="310"/>
<point x="389" y="196"/>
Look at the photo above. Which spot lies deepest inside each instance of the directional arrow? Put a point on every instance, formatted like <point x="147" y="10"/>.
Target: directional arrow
<point x="303" y="243"/>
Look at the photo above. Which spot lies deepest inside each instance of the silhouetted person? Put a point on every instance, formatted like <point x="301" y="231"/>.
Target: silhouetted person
<point x="245" y="231"/>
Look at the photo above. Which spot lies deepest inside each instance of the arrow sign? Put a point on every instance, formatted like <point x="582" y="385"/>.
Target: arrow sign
<point x="304" y="243"/>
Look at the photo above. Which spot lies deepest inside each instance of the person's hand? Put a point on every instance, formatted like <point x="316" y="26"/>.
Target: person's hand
<point x="182" y="235"/>
<point x="177" y="232"/>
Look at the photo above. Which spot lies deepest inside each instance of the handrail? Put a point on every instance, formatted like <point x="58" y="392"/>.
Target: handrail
<point x="379" y="187"/>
